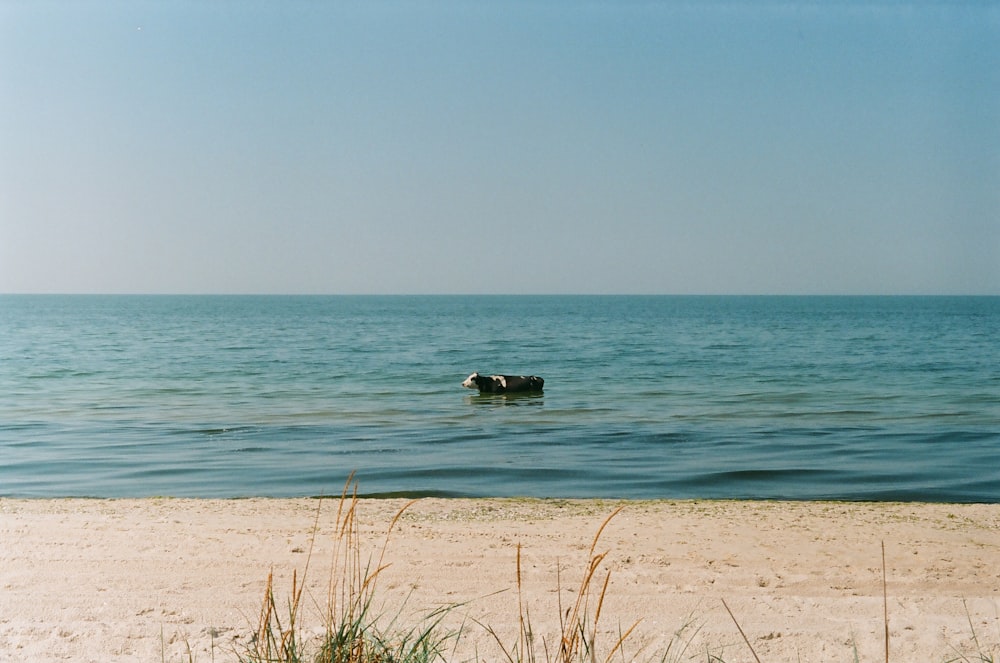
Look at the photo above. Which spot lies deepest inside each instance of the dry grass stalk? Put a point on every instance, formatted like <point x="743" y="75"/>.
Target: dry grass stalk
<point x="740" y="629"/>
<point x="351" y="632"/>
<point x="885" y="606"/>
<point x="577" y="631"/>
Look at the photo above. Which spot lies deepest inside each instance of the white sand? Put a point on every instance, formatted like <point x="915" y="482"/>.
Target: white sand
<point x="149" y="580"/>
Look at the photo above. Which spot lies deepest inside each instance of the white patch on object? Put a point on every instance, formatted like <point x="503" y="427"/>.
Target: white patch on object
<point x="470" y="382"/>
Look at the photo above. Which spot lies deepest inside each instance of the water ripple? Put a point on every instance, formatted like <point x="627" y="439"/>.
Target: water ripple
<point x="800" y="398"/>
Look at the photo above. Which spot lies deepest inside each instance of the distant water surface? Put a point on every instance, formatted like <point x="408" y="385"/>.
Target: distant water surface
<point x="855" y="398"/>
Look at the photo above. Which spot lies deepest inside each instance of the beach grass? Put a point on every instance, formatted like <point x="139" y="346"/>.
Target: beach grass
<point x="354" y="631"/>
<point x="577" y="639"/>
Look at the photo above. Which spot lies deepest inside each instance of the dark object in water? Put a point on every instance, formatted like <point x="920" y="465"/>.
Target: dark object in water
<point x="503" y="384"/>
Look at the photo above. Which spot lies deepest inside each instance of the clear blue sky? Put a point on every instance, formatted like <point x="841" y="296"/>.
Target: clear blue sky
<point x="500" y="147"/>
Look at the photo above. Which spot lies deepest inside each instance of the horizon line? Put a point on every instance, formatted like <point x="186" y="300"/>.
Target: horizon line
<point x="486" y="294"/>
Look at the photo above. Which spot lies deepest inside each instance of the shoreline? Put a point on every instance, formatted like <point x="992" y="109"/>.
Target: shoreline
<point x="102" y="579"/>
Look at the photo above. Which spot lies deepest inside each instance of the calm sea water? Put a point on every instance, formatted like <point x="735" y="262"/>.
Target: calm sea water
<point x="881" y="398"/>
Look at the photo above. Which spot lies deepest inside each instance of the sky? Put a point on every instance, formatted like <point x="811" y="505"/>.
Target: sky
<point x="422" y="147"/>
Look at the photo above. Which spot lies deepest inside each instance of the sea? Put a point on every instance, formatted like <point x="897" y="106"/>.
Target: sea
<point x="646" y="397"/>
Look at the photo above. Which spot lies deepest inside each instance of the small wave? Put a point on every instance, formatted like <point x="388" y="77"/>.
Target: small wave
<point x="225" y="430"/>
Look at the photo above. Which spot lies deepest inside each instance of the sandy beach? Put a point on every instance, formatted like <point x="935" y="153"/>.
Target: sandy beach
<point x="180" y="580"/>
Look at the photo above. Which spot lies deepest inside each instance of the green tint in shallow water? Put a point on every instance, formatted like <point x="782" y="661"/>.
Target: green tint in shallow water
<point x="746" y="397"/>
